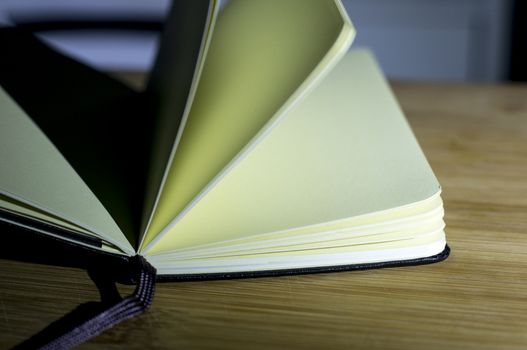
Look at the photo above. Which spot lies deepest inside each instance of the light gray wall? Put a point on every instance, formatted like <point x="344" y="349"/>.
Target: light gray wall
<point x="462" y="40"/>
<point x="435" y="39"/>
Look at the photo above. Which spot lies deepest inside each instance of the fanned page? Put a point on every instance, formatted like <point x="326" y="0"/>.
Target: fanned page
<point x="108" y="133"/>
<point x="96" y="123"/>
<point x="172" y="84"/>
<point x="264" y="55"/>
<point x="37" y="181"/>
<point x="340" y="180"/>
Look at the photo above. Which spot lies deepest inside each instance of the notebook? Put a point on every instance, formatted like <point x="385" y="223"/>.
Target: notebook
<point x="261" y="145"/>
<point x="267" y="148"/>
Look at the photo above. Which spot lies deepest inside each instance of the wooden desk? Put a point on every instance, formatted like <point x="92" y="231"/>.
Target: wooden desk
<point x="476" y="140"/>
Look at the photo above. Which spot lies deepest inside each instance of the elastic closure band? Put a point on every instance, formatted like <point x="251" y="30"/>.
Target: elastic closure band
<point x="79" y="326"/>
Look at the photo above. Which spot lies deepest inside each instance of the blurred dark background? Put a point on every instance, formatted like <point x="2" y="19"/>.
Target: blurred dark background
<point x="442" y="40"/>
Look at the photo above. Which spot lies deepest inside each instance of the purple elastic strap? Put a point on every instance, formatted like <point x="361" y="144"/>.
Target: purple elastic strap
<point x="82" y="324"/>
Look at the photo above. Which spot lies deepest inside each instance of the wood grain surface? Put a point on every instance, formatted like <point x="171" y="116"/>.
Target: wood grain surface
<point x="475" y="138"/>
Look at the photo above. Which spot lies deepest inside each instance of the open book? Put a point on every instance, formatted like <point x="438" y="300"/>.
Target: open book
<point x="259" y="145"/>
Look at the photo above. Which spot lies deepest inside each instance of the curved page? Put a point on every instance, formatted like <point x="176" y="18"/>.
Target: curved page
<point x="172" y="86"/>
<point x="344" y="151"/>
<point x="263" y="56"/>
<point x="34" y="172"/>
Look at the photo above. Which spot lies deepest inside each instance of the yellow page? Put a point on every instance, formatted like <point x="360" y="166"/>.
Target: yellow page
<point x="397" y="234"/>
<point x="391" y="219"/>
<point x="34" y="172"/>
<point x="263" y="55"/>
<point x="344" y="151"/>
<point x="172" y="86"/>
<point x="418" y="247"/>
<point x="25" y="210"/>
<point x="268" y="243"/>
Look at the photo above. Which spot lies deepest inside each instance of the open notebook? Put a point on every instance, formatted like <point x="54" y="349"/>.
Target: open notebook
<point x="259" y="146"/>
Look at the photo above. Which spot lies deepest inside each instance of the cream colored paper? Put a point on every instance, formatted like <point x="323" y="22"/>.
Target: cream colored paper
<point x="33" y="171"/>
<point x="263" y="56"/>
<point x="359" y="254"/>
<point x="14" y="206"/>
<point x="344" y="151"/>
<point x="172" y="86"/>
